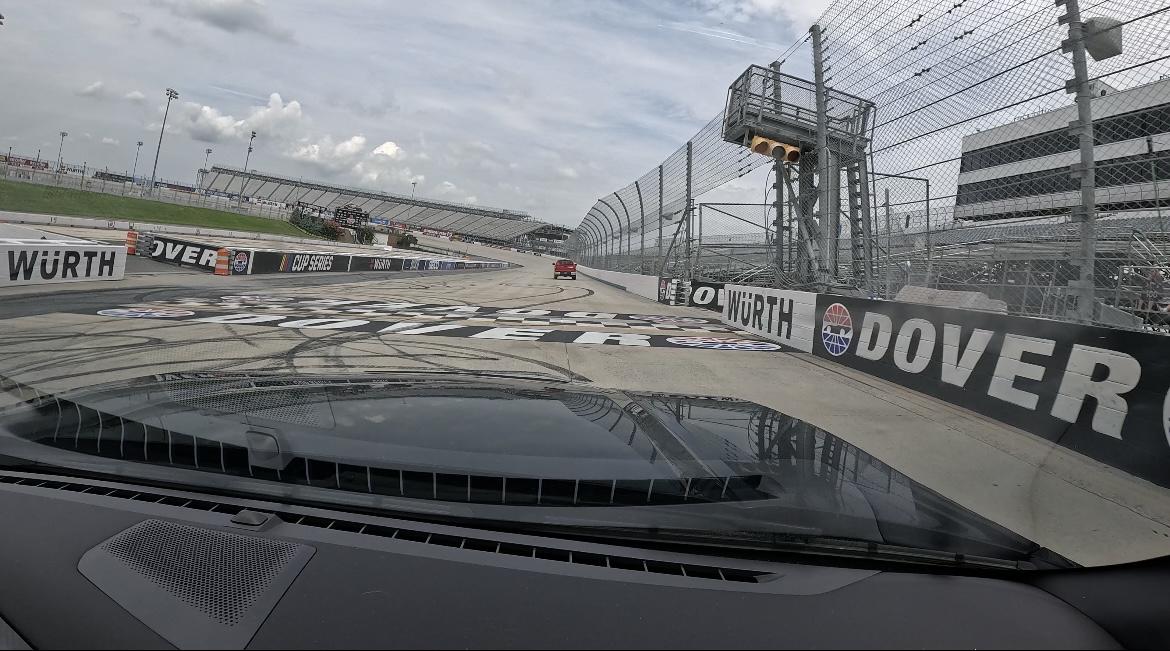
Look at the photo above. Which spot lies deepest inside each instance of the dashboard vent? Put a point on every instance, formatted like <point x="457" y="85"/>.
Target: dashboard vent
<point x="626" y="563"/>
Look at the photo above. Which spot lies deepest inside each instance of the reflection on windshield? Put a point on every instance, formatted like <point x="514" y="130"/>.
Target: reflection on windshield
<point x="687" y="462"/>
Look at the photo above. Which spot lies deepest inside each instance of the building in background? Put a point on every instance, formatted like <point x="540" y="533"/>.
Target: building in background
<point x="549" y="239"/>
<point x="1022" y="169"/>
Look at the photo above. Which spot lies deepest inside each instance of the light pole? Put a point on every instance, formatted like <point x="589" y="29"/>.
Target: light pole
<point x="172" y="94"/>
<point x="206" y="155"/>
<point x="412" y="186"/>
<point x="243" y="178"/>
<point x="60" y="149"/>
<point x="134" y="173"/>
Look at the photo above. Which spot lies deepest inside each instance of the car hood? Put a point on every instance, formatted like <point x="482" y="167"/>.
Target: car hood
<point x="485" y="444"/>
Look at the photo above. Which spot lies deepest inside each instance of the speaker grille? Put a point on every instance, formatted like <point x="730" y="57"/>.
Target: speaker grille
<point x="196" y="587"/>
<point x="220" y="574"/>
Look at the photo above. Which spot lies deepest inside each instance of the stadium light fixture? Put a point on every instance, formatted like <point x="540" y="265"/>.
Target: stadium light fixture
<point x="134" y="172"/>
<point x="60" y="150"/>
<point x="243" y="179"/>
<point x="172" y="94"/>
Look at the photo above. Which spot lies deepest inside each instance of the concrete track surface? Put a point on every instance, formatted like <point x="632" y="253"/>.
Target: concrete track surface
<point x="54" y="338"/>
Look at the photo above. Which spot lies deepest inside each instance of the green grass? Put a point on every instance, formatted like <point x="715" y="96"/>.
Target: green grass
<point x="44" y="199"/>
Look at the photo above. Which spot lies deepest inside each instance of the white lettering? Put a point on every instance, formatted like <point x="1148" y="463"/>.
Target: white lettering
<point x="406" y="328"/>
<point x="391" y="306"/>
<point x="703" y="295"/>
<point x="1009" y="367"/>
<point x="1123" y="374"/>
<point x="461" y="309"/>
<point x="875" y="334"/>
<point x="242" y="318"/>
<point x="524" y="312"/>
<point x="921" y="357"/>
<point x="591" y="315"/>
<point x="190" y="253"/>
<point x="208" y="258"/>
<point x="512" y="334"/>
<point x="173" y="249"/>
<point x="622" y="338"/>
<point x="333" y="301"/>
<point x="956" y="367"/>
<point x="324" y="324"/>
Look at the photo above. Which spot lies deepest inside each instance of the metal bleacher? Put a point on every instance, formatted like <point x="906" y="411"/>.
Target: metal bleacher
<point x="464" y="219"/>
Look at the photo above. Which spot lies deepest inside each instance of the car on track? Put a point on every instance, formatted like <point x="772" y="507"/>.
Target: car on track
<point x="564" y="267"/>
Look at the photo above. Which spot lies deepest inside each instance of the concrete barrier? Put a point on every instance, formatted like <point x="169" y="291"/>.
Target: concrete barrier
<point x="42" y="262"/>
<point x="1102" y="392"/>
<point x="645" y="286"/>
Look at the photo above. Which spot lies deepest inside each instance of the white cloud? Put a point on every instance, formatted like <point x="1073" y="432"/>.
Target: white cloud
<point x="567" y="172"/>
<point x="447" y="187"/>
<point x="110" y="141"/>
<point x="471" y="199"/>
<point x="232" y="16"/>
<point x="135" y="96"/>
<point x="96" y="90"/>
<point x="389" y="149"/>
<point x="803" y="13"/>
<point x="330" y="155"/>
<point x="205" y="123"/>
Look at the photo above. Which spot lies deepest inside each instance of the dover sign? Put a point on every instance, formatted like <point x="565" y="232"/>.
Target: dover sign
<point x="166" y="249"/>
<point x="1098" y="391"/>
<point x="784" y="316"/>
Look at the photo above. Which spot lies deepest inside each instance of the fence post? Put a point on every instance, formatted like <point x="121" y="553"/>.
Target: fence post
<point x="641" y="229"/>
<point x="778" y="227"/>
<point x="699" y="240"/>
<point x="687" y="215"/>
<point x="889" y="248"/>
<point x="658" y="246"/>
<point x="1154" y="179"/>
<point x="1086" y="213"/>
<point x="826" y="163"/>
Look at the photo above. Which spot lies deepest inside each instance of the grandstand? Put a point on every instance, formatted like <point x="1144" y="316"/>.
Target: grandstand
<point x="479" y="222"/>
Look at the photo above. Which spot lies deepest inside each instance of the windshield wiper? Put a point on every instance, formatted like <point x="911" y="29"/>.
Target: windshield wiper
<point x="809" y="545"/>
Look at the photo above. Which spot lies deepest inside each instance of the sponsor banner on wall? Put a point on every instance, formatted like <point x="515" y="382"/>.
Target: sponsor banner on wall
<point x="183" y="253"/>
<point x="1099" y="391"/>
<point x="362" y="263"/>
<point x="782" y="315"/>
<point x="265" y="262"/>
<point x="40" y="264"/>
<point x="708" y="296"/>
<point x="241" y="262"/>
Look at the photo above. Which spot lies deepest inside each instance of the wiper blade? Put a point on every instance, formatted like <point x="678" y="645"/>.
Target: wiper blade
<point x="823" y="546"/>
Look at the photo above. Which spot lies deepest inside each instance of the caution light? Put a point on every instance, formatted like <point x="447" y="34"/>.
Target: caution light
<point x="778" y="150"/>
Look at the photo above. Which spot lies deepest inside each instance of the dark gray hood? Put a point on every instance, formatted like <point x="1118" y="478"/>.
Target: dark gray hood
<point x="485" y="446"/>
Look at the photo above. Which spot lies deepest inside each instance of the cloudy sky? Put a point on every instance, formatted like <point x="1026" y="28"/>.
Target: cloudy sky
<point x="534" y="106"/>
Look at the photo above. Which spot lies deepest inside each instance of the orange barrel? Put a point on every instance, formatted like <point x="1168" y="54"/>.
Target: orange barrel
<point x="222" y="265"/>
<point x="131" y="242"/>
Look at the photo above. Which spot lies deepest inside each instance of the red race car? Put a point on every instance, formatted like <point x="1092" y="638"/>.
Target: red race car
<point x="565" y="268"/>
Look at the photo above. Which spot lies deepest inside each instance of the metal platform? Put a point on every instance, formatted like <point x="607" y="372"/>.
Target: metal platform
<point x="764" y="102"/>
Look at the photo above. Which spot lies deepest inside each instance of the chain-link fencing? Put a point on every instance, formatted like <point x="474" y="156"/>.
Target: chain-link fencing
<point x="93" y="181"/>
<point x="1019" y="148"/>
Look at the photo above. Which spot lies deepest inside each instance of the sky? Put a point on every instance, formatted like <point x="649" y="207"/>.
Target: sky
<point x="532" y="106"/>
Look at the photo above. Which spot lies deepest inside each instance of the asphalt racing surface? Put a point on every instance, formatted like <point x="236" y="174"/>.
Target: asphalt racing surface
<point x="163" y="319"/>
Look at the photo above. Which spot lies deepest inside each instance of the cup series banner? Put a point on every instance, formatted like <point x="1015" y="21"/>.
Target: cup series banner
<point x="1099" y="391"/>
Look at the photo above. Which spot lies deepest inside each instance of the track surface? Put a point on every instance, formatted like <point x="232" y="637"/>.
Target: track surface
<point x="53" y="337"/>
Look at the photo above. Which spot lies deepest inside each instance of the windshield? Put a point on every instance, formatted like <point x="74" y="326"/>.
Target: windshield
<point x="817" y="277"/>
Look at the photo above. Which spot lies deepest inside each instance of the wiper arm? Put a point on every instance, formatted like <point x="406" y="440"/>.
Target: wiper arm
<point x="813" y="545"/>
